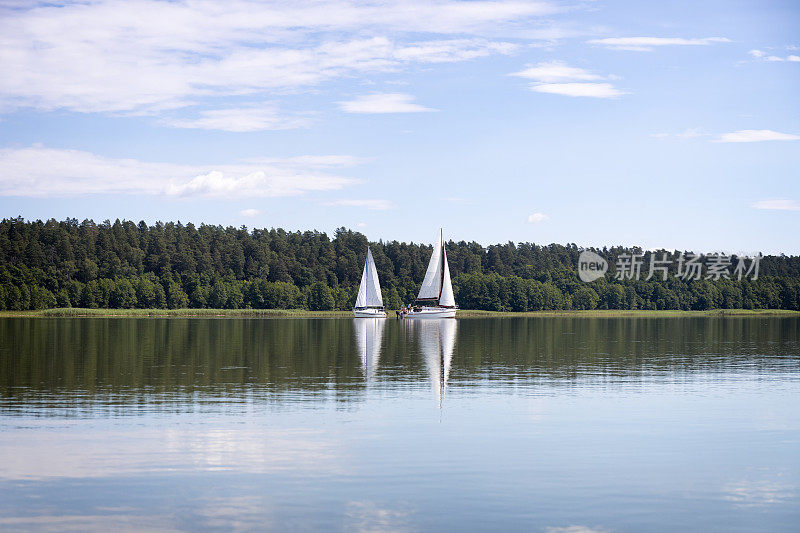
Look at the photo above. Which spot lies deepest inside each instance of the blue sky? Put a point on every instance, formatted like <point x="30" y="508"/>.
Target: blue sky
<point x="659" y="124"/>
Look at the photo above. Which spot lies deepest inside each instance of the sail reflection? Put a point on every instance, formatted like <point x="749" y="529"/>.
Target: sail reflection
<point x="369" y="332"/>
<point x="437" y="339"/>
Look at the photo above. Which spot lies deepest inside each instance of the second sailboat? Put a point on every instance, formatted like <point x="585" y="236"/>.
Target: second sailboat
<point x="435" y="298"/>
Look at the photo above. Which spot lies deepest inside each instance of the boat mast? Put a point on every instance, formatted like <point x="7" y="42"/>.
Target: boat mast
<point x="442" y="260"/>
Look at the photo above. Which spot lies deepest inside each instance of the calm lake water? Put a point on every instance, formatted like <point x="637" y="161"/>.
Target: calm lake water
<point x="508" y="424"/>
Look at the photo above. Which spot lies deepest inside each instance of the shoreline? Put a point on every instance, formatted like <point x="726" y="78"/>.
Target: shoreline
<point x="462" y="313"/>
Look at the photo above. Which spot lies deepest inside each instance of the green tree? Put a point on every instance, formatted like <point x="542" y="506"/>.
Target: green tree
<point x="585" y="298"/>
<point x="320" y="297"/>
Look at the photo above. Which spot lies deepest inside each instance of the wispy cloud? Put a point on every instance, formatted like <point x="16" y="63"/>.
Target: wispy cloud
<point x="751" y="136"/>
<point x="447" y="51"/>
<point x="557" y="77"/>
<point x="556" y="71"/>
<point x="146" y="57"/>
<point x="373" y="204"/>
<point x="777" y="204"/>
<point x="241" y="119"/>
<point x="249" y="212"/>
<point x="647" y="44"/>
<point x="593" y="90"/>
<point x="46" y="172"/>
<point x="765" y="56"/>
<point x="536" y="218"/>
<point x="383" y="103"/>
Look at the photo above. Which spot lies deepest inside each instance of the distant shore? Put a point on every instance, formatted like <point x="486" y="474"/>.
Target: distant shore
<point x="303" y="313"/>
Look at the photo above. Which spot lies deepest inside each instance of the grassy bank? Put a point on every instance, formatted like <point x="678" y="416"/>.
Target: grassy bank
<point x="624" y="313"/>
<point x="302" y="313"/>
<point x="176" y="313"/>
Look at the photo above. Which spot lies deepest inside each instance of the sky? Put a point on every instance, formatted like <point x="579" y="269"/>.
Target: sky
<point x="656" y="124"/>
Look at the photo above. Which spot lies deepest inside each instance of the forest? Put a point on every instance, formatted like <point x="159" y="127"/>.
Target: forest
<point x="121" y="264"/>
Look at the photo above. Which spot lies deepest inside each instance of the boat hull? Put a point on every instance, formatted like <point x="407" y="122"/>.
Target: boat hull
<point x="369" y="313"/>
<point x="432" y="312"/>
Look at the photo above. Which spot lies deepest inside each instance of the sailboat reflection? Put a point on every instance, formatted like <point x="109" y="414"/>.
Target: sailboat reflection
<point x="437" y="339"/>
<point x="369" y="332"/>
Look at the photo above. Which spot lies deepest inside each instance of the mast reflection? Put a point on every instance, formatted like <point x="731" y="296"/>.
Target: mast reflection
<point x="437" y="339"/>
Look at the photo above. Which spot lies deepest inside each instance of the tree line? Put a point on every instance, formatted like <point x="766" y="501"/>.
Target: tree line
<point x="68" y="263"/>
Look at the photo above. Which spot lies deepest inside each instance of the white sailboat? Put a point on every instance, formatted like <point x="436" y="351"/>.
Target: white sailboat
<point x="435" y="299"/>
<point x="369" y="302"/>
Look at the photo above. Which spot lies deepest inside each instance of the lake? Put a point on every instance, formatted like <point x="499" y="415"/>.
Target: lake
<point x="485" y="424"/>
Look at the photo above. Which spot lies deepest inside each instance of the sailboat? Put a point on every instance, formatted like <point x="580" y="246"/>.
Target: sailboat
<point x="435" y="299"/>
<point x="369" y="302"/>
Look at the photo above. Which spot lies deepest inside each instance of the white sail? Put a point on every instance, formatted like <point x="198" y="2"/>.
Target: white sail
<point x="361" y="299"/>
<point x="446" y="299"/>
<point x="432" y="284"/>
<point x="437" y="284"/>
<point x="369" y="292"/>
<point x="374" y="296"/>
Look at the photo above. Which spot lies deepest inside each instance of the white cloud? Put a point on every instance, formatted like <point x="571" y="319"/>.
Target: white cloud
<point x="593" y="90"/>
<point x="452" y="50"/>
<point x="241" y="119"/>
<point x="556" y="71"/>
<point x="764" y="56"/>
<point x="249" y="212"/>
<point x="749" y="136"/>
<point x="646" y="44"/>
<point x="778" y="204"/>
<point x="536" y="218"/>
<point x="383" y="103"/>
<point x="556" y="77"/>
<point x="45" y="172"/>
<point x="373" y="204"/>
<point x="146" y="56"/>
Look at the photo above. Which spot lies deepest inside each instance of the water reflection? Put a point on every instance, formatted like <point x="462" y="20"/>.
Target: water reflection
<point x="369" y="332"/>
<point x="203" y="424"/>
<point x="119" y="367"/>
<point x="437" y="340"/>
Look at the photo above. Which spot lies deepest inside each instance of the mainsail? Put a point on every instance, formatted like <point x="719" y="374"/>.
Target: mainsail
<point x="437" y="285"/>
<point x="432" y="284"/>
<point x="369" y="292"/>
